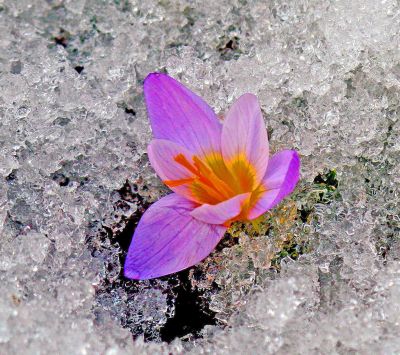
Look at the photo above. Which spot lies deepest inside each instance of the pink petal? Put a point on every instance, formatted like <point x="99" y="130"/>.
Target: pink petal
<point x="168" y="239"/>
<point x="267" y="201"/>
<point x="244" y="132"/>
<point x="179" y="115"/>
<point x="221" y="212"/>
<point x="279" y="181"/>
<point x="162" y="155"/>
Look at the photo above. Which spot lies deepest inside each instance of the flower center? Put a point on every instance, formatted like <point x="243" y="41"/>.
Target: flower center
<point x="215" y="180"/>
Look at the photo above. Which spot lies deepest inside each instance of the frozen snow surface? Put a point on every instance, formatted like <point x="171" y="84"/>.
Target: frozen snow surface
<point x="319" y="274"/>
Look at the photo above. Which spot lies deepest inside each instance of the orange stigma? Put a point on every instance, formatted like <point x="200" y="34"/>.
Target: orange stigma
<point x="213" y="180"/>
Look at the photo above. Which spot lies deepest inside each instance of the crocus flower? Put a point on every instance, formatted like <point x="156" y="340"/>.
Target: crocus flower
<point x="219" y="172"/>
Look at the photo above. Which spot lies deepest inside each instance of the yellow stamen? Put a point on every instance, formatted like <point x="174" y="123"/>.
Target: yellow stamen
<point x="213" y="180"/>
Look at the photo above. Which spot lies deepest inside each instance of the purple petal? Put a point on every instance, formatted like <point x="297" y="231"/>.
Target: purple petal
<point x="162" y="155"/>
<point x="221" y="212"/>
<point x="168" y="239"/>
<point x="179" y="115"/>
<point x="244" y="133"/>
<point x="279" y="181"/>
